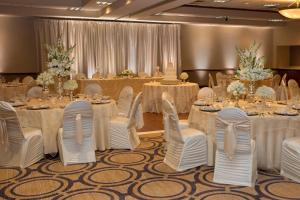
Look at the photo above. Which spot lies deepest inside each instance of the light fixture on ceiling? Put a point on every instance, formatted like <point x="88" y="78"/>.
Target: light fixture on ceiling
<point x="221" y="1"/>
<point x="74" y="8"/>
<point x="103" y="3"/>
<point x="291" y="13"/>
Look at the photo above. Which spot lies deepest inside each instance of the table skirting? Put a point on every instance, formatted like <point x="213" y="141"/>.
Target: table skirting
<point x="184" y="95"/>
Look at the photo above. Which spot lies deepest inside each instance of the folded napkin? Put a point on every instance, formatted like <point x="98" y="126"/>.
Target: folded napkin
<point x="79" y="131"/>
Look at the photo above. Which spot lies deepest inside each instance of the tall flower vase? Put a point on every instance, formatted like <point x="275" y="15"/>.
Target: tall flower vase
<point x="251" y="92"/>
<point x="236" y="98"/>
<point x="60" y="88"/>
<point x="71" y="95"/>
<point x="45" y="91"/>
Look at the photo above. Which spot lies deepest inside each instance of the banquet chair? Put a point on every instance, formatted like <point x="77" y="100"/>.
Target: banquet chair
<point x="282" y="91"/>
<point x="293" y="89"/>
<point x="205" y="93"/>
<point x="28" y="79"/>
<point x="276" y="81"/>
<point x="236" y="159"/>
<point x="74" y="140"/>
<point x="211" y="82"/>
<point x="182" y="123"/>
<point x="220" y="78"/>
<point x="35" y="92"/>
<point x="92" y="89"/>
<point x="187" y="147"/>
<point x="80" y="76"/>
<point x="20" y="147"/>
<point x="122" y="130"/>
<point x="125" y="101"/>
<point x="290" y="158"/>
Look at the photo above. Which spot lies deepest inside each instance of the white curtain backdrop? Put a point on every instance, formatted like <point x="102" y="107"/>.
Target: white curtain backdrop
<point x="112" y="46"/>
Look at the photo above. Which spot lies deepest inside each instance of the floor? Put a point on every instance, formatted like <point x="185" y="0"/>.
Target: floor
<point x="139" y="174"/>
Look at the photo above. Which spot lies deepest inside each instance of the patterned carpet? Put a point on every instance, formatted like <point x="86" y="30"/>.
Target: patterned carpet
<point x="139" y="174"/>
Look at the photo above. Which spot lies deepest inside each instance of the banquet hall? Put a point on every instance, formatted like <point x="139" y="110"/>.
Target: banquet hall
<point x="149" y="99"/>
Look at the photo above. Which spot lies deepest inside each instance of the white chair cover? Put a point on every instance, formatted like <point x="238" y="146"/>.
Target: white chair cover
<point x="28" y="79"/>
<point x="276" y="81"/>
<point x="282" y="92"/>
<point x="80" y="76"/>
<point x="220" y="78"/>
<point x="75" y="138"/>
<point x="35" y="92"/>
<point x="125" y="101"/>
<point x="235" y="155"/>
<point x="18" y="147"/>
<point x="290" y="158"/>
<point x="187" y="148"/>
<point x="182" y="123"/>
<point x="293" y="89"/>
<point x="123" y="130"/>
<point x="92" y="89"/>
<point x="205" y="93"/>
<point x="211" y="82"/>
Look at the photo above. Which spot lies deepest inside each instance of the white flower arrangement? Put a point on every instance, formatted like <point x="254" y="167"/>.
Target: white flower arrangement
<point x="265" y="92"/>
<point x="236" y="88"/>
<point x="59" y="61"/>
<point x="127" y="72"/>
<point x="45" y="79"/>
<point x="184" y="76"/>
<point x="251" y="67"/>
<point x="70" y="85"/>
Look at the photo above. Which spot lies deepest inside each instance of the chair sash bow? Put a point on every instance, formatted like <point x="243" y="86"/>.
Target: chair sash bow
<point x="230" y="140"/>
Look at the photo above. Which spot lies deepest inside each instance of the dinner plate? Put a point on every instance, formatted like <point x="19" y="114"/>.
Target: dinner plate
<point x="296" y="107"/>
<point x="252" y="113"/>
<point x="200" y="103"/>
<point x="18" y="104"/>
<point x="281" y="102"/>
<point x="37" y="107"/>
<point x="286" y="113"/>
<point x="209" y="109"/>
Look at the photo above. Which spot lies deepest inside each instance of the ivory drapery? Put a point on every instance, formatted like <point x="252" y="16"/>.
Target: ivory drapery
<point x="112" y="46"/>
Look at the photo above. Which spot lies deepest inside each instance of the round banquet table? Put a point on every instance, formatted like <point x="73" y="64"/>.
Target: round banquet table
<point x="50" y="120"/>
<point x="184" y="95"/>
<point x="268" y="130"/>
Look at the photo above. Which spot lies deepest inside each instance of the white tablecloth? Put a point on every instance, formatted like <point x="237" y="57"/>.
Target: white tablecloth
<point x="184" y="95"/>
<point x="268" y="131"/>
<point x="50" y="120"/>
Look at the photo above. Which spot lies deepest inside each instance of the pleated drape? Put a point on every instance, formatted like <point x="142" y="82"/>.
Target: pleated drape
<point x="112" y="47"/>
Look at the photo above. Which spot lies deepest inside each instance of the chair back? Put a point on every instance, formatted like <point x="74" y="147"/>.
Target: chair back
<point x="205" y="93"/>
<point x="28" y="79"/>
<point x="80" y="76"/>
<point x="92" y="89"/>
<point x="211" y="82"/>
<point x="276" y="81"/>
<point x="97" y="75"/>
<point x="10" y="128"/>
<point x="35" y="92"/>
<point x="219" y="78"/>
<point x="125" y="100"/>
<point x="166" y="97"/>
<point x="78" y="121"/>
<point x="233" y="132"/>
<point x="172" y="121"/>
<point x="293" y="89"/>
<point x="133" y="116"/>
<point x="283" y="80"/>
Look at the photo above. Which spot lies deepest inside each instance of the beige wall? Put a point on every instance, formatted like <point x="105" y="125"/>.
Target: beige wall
<point x="17" y="45"/>
<point x="213" y="47"/>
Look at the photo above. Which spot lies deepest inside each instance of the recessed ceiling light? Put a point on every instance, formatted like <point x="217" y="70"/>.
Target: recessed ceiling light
<point x="128" y="2"/>
<point x="276" y="20"/>
<point x="271" y="5"/>
<point x="103" y="3"/>
<point x="74" y="8"/>
<point x="107" y="10"/>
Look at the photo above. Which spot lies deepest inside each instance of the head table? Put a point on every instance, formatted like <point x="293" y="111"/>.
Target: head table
<point x="184" y="95"/>
<point x="113" y="86"/>
<point x="267" y="129"/>
<point x="51" y="119"/>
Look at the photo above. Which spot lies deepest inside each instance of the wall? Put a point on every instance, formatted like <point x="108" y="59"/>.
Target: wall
<point x="17" y="45"/>
<point x="211" y="48"/>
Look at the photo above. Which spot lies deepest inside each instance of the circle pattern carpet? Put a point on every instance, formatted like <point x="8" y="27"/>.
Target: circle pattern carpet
<point x="139" y="174"/>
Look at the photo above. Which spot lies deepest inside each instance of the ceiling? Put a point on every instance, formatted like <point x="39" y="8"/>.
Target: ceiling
<point x="236" y="12"/>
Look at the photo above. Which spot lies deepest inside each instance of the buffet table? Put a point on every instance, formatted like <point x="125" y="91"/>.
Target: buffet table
<point x="268" y="130"/>
<point x="184" y="95"/>
<point x="113" y="87"/>
<point x="51" y="119"/>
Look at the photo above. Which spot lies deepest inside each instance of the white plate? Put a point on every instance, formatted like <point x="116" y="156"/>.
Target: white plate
<point x="200" y="103"/>
<point x="254" y="113"/>
<point x="209" y="109"/>
<point x="18" y="104"/>
<point x="294" y="113"/>
<point x="37" y="107"/>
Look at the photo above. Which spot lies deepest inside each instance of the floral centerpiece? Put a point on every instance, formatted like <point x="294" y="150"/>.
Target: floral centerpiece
<point x="127" y="72"/>
<point x="60" y="62"/>
<point x="251" y="67"/>
<point x="45" y="79"/>
<point x="265" y="92"/>
<point x="70" y="85"/>
<point x="236" y="88"/>
<point x="184" y="76"/>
